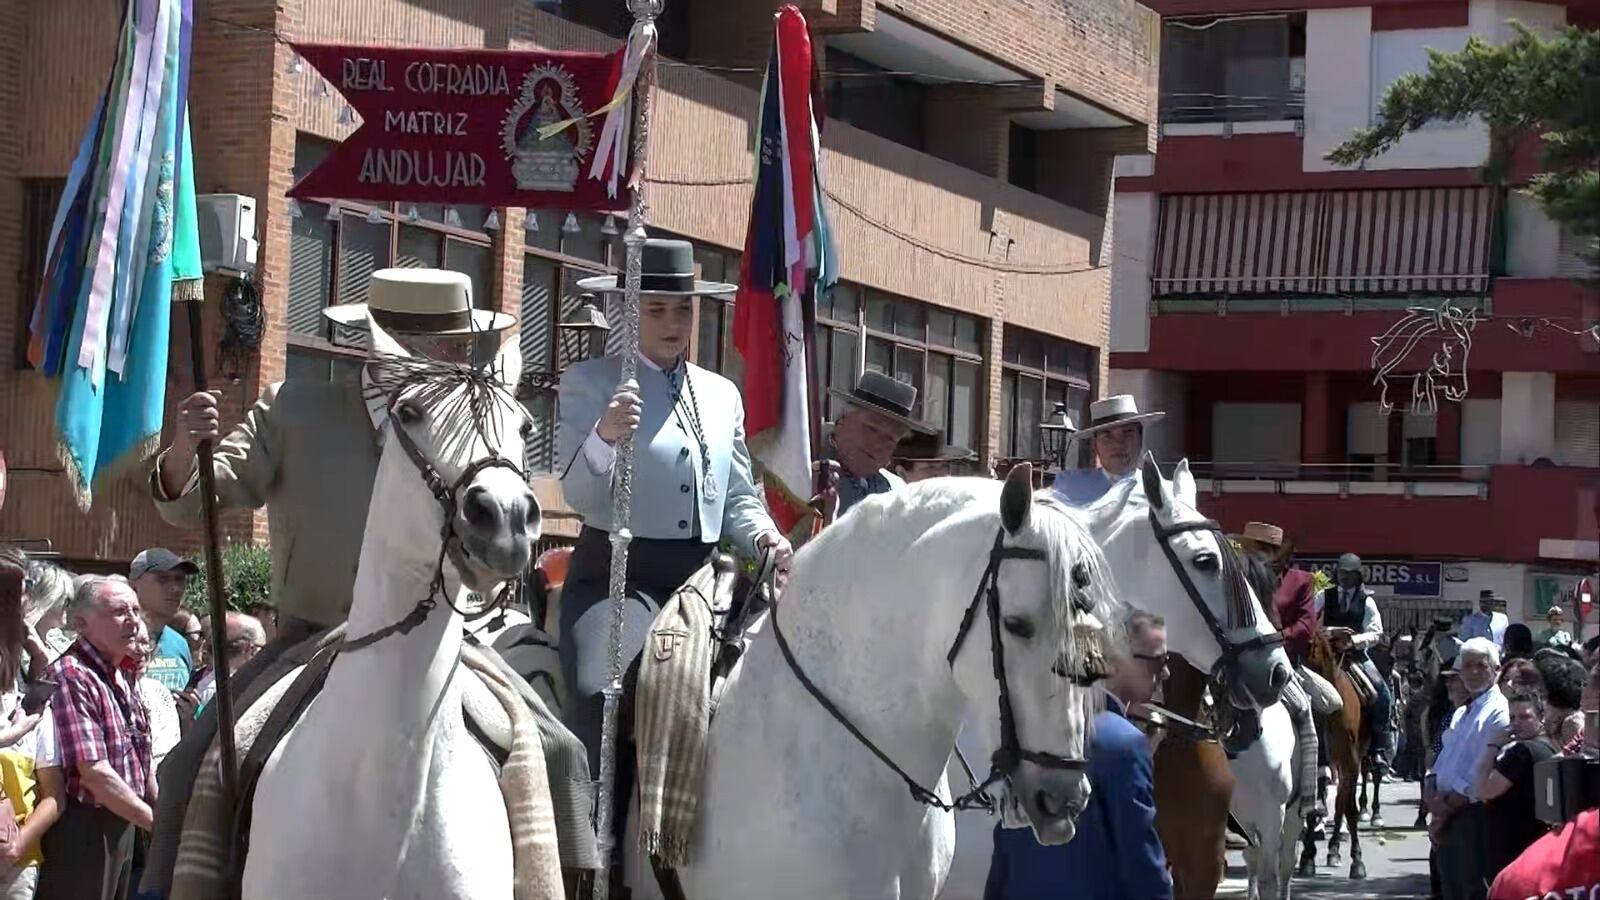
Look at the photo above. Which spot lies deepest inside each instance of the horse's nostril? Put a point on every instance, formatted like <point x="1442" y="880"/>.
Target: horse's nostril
<point x="1053" y="807"/>
<point x="478" y="508"/>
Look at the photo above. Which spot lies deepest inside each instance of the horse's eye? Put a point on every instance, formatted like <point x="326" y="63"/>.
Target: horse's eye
<point x="408" y="412"/>
<point x="1206" y="561"/>
<point x="1018" y="626"/>
<point x="527" y="430"/>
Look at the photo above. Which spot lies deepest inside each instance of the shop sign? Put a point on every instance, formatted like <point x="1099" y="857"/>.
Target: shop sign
<point x="483" y="127"/>
<point x="1396" y="578"/>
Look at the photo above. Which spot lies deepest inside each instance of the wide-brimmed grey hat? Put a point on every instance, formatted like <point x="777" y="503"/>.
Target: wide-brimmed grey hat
<point x="892" y="399"/>
<point x="1111" y="412"/>
<point x="666" y="268"/>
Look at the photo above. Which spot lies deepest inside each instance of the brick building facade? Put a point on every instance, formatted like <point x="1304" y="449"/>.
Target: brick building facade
<point x="969" y="156"/>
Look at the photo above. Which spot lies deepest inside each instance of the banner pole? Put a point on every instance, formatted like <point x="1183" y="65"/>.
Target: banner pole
<point x="213" y="554"/>
<point x="644" y="15"/>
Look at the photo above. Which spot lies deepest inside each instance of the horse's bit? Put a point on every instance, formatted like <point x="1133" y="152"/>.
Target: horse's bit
<point x="445" y="494"/>
<point x="1011" y="754"/>
<point x="1230" y="648"/>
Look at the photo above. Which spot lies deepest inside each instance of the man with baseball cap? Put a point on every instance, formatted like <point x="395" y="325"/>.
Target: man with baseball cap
<point x="160" y="578"/>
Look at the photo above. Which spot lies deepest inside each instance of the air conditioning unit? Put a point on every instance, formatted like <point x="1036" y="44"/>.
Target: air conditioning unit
<point x="227" y="225"/>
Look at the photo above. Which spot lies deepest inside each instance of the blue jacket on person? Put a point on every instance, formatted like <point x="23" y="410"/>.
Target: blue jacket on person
<point x="1116" y="854"/>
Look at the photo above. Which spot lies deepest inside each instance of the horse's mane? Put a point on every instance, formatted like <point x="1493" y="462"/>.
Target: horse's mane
<point x="886" y="526"/>
<point x="1258" y="573"/>
<point x="1236" y="580"/>
<point x="445" y="389"/>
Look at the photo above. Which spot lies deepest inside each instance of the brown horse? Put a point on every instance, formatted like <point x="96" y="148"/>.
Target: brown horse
<point x="1347" y="747"/>
<point x="1193" y="789"/>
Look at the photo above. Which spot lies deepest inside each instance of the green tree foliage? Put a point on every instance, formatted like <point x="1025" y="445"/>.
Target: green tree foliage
<point x="1529" y="85"/>
<point x="247" y="577"/>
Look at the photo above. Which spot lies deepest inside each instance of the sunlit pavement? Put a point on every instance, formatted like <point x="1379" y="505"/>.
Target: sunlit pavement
<point x="1396" y="858"/>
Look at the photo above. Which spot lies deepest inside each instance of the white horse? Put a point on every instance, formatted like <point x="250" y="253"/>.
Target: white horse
<point x="1131" y="524"/>
<point x="379" y="790"/>
<point x="1266" y="804"/>
<point x="793" y="804"/>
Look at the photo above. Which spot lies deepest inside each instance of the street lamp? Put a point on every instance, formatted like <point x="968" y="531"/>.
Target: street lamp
<point x="1056" y="433"/>
<point x="582" y="335"/>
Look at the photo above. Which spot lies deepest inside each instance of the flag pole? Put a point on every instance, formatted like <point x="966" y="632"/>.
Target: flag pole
<point x="644" y="16"/>
<point x="213" y="555"/>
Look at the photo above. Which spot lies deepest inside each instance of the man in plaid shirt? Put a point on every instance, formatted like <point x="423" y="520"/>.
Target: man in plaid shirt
<point x="104" y="738"/>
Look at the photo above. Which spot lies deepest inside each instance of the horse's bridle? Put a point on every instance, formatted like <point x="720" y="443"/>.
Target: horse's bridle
<point x="1230" y="649"/>
<point x="445" y="493"/>
<point x="1011" y="754"/>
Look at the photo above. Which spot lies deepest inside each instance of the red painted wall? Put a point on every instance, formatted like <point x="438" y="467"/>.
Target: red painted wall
<point x="1524" y="505"/>
<point x="1208" y="164"/>
<point x="1269" y="342"/>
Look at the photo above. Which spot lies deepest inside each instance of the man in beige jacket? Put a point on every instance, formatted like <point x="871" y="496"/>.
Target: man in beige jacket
<point x="308" y="450"/>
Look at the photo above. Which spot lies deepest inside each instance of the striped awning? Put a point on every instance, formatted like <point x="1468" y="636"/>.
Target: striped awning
<point x="1396" y="242"/>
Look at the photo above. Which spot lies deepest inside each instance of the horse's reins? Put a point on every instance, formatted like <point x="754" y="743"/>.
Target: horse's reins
<point x="1011" y="754"/>
<point x="445" y="493"/>
<point x="1230" y="649"/>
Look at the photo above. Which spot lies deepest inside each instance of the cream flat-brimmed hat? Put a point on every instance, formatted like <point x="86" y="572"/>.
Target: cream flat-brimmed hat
<point x="420" y="301"/>
<point x="1113" y="411"/>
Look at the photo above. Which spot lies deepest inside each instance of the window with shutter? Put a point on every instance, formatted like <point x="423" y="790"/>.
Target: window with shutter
<point x="40" y="197"/>
<point x="1577" y="433"/>
<point x="310" y="270"/>
<point x="1039" y="371"/>
<point x="1570" y="255"/>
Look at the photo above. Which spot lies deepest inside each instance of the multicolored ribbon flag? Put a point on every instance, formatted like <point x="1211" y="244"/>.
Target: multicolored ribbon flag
<point x="788" y="257"/>
<point x="124" y="244"/>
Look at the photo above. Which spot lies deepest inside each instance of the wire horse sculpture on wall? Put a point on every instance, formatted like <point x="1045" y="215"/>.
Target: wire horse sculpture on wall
<point x="1450" y="328"/>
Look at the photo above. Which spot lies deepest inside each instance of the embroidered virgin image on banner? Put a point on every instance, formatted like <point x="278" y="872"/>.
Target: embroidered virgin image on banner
<point x="489" y="127"/>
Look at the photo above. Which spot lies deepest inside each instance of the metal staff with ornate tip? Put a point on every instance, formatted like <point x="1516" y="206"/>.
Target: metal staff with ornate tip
<point x="644" y="17"/>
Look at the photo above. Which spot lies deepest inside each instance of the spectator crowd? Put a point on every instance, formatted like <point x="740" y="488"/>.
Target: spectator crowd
<point x="100" y="676"/>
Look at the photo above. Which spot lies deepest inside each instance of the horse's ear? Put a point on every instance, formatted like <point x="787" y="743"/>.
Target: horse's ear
<point x="1183" y="486"/>
<point x="381" y="343"/>
<point x="1156" y="489"/>
<point x="1016" y="498"/>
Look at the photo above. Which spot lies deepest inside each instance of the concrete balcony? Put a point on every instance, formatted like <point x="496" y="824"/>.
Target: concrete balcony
<point x="1492" y="512"/>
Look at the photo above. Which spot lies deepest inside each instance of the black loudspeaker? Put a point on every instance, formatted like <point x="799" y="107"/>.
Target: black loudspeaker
<point x="1564" y="786"/>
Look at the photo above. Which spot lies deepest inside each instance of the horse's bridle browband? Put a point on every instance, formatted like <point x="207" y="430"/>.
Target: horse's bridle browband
<point x="1230" y="648"/>
<point x="1011" y="754"/>
<point x="445" y="493"/>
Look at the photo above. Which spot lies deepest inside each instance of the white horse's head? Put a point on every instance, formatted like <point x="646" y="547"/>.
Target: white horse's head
<point x="1171" y="561"/>
<point x="451" y="470"/>
<point x="1027" y="677"/>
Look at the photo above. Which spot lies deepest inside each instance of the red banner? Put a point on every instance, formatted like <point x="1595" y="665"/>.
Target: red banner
<point x="463" y="126"/>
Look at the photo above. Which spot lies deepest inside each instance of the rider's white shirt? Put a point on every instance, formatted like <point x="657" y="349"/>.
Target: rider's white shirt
<point x="1371" y="620"/>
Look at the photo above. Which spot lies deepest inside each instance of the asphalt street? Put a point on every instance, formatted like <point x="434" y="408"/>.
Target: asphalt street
<point x="1396" y="858"/>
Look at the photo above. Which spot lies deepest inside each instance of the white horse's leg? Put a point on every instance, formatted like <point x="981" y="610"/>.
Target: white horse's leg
<point x="928" y="869"/>
<point x="1288" y="850"/>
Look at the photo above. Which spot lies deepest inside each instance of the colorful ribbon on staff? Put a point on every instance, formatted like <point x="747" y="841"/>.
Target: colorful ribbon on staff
<point x="123" y="245"/>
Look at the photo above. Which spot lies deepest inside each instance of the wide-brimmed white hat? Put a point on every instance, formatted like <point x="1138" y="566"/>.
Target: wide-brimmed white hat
<point x="420" y="301"/>
<point x="1113" y="411"/>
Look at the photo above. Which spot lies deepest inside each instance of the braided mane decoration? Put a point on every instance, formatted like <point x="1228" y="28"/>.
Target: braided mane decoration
<point x="444" y="389"/>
